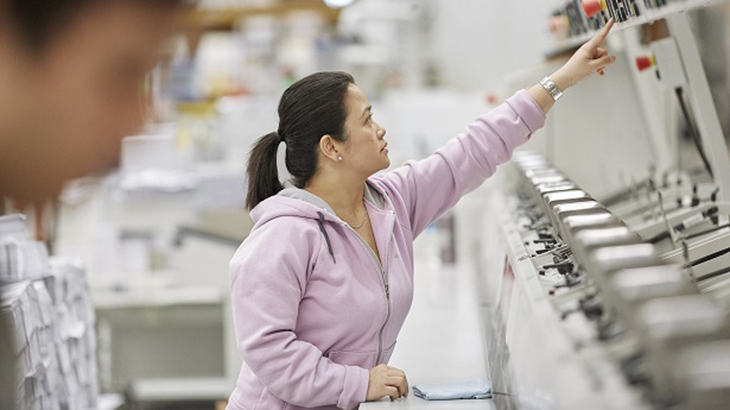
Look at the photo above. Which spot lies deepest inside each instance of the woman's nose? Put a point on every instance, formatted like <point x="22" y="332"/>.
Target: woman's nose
<point x="381" y="133"/>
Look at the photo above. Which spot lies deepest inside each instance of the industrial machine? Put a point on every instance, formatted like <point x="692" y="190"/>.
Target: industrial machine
<point x="606" y="272"/>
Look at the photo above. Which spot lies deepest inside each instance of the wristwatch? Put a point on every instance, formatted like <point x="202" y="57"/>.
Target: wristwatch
<point x="551" y="88"/>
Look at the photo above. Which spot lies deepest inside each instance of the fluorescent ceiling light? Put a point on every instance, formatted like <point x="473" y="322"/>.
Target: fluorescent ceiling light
<point x="338" y="3"/>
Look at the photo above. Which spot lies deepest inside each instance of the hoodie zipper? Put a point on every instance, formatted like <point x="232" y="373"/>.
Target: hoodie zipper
<point x="384" y="276"/>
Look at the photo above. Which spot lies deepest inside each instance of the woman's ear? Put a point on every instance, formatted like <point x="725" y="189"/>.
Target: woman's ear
<point x="329" y="148"/>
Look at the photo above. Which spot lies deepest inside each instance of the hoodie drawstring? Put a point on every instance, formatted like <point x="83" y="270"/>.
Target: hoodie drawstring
<point x="320" y="222"/>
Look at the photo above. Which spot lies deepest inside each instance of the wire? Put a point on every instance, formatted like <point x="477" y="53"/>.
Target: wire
<point x="693" y="130"/>
<point x="709" y="231"/>
<point x="671" y="231"/>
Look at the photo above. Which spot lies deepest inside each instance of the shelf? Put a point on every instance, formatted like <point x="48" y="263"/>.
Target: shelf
<point x="153" y="295"/>
<point x="649" y="16"/>
<point x="110" y="402"/>
<point x="226" y="18"/>
<point x="181" y="389"/>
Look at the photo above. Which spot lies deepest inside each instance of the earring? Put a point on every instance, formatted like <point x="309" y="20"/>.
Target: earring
<point x="339" y="158"/>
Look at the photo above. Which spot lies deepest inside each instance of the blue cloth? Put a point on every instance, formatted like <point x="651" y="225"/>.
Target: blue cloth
<point x="473" y="389"/>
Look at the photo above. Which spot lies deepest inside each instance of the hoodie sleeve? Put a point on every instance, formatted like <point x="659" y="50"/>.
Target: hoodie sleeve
<point x="268" y="279"/>
<point x="428" y="188"/>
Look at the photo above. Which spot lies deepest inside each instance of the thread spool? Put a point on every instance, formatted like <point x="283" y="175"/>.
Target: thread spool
<point x="593" y="7"/>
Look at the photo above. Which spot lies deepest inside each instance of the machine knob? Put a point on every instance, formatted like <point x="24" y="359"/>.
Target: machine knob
<point x="642" y="63"/>
<point x="558" y="23"/>
<point x="559" y="26"/>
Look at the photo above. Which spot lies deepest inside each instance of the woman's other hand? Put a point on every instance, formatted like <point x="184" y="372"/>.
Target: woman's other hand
<point x="591" y="57"/>
<point x="386" y="381"/>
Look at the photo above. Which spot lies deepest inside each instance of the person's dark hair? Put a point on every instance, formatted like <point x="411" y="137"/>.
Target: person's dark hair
<point x="310" y="109"/>
<point x="36" y="21"/>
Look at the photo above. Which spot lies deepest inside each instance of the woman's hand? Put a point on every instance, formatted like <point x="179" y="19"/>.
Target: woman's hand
<point x="590" y="58"/>
<point x="386" y="381"/>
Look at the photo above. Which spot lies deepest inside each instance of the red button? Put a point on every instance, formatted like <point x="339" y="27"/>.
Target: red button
<point x="642" y="63"/>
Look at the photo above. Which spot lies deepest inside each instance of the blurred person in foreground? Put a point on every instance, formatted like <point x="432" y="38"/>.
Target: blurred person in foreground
<point x="70" y="79"/>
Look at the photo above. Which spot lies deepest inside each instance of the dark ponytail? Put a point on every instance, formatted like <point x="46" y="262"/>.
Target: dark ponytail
<point x="309" y="109"/>
<point x="263" y="175"/>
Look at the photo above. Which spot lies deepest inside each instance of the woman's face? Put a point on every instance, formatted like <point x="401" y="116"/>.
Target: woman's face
<point x="365" y="151"/>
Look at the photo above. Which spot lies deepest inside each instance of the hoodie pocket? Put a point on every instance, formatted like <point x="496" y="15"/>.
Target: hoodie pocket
<point x="365" y="360"/>
<point x="360" y="359"/>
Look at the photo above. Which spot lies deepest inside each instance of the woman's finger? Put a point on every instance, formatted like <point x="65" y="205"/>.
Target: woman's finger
<point x="401" y="386"/>
<point x="601" y="36"/>
<point x="398" y="381"/>
<point x="392" y="371"/>
<point x="392" y="392"/>
<point x="394" y="380"/>
<point x="398" y="371"/>
<point x="603" y="62"/>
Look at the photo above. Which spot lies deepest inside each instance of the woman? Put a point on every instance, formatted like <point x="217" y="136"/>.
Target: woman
<point x="323" y="283"/>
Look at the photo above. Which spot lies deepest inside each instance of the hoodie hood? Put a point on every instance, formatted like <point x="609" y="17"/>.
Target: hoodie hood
<point x="300" y="203"/>
<point x="304" y="204"/>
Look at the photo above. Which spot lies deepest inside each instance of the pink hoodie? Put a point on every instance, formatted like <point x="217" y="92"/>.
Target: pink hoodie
<point x="313" y="307"/>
